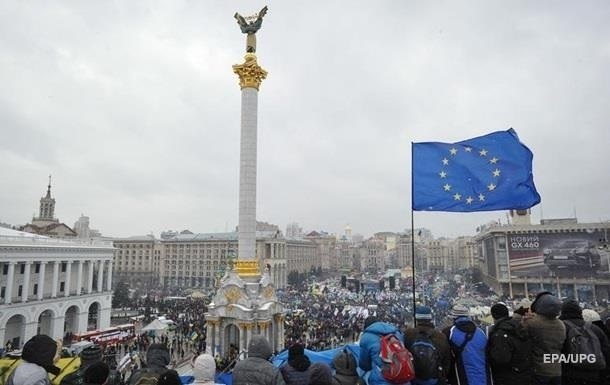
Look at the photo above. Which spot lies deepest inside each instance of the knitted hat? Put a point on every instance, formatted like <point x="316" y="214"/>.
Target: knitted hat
<point x="590" y="315"/>
<point x="423" y="313"/>
<point x="41" y="350"/>
<point x="204" y="368"/>
<point x="97" y="373"/>
<point x="459" y="311"/>
<point x="320" y="374"/>
<point x="90" y="355"/>
<point x="297" y="358"/>
<point x="571" y="309"/>
<point x="547" y="305"/>
<point x="499" y="310"/>
<point x="345" y="363"/>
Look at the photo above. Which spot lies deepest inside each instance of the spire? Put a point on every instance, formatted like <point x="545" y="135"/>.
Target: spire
<point x="49" y="188"/>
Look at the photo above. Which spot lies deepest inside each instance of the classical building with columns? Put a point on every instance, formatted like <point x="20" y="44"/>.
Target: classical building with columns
<point x="52" y="286"/>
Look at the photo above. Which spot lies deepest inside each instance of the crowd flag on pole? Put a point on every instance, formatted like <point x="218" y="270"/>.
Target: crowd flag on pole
<point x="490" y="172"/>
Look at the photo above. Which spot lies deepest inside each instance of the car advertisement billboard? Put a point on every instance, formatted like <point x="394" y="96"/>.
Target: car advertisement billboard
<point x="564" y="254"/>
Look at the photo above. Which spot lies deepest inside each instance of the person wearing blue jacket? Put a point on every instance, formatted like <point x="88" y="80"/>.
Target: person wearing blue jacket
<point x="370" y="340"/>
<point x="468" y="344"/>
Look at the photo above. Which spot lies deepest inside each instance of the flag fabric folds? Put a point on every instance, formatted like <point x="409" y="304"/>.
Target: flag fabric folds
<point x="490" y="172"/>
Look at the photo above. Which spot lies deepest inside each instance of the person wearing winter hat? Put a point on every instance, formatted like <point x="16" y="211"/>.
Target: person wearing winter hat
<point x="204" y="369"/>
<point x="88" y="357"/>
<point x="346" y="369"/>
<point x="549" y="334"/>
<point x="320" y="374"/>
<point x="509" y="349"/>
<point x="256" y="368"/>
<point x="467" y="343"/>
<point x="296" y="371"/>
<point x="432" y="363"/>
<point x="38" y="357"/>
<point x="572" y="317"/>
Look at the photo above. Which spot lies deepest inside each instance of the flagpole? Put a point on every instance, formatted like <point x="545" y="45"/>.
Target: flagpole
<point x="412" y="239"/>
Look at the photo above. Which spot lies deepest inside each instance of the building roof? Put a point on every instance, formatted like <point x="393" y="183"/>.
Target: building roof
<point x="537" y="228"/>
<point x="228" y="236"/>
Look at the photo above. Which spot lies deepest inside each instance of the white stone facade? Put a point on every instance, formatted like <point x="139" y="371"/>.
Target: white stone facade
<point x="48" y="286"/>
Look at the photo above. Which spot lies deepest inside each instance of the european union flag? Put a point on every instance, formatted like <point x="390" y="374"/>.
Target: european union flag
<point x="491" y="172"/>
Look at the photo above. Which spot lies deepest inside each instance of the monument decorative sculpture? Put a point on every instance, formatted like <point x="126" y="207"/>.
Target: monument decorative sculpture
<point x="251" y="27"/>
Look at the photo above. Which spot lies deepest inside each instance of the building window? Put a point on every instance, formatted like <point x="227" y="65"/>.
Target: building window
<point x="20" y="291"/>
<point x="2" y="291"/>
<point x="62" y="286"/>
<point x="22" y="268"/>
<point x="37" y="268"/>
<point x="63" y="267"/>
<point x="5" y="269"/>
<point x="35" y="288"/>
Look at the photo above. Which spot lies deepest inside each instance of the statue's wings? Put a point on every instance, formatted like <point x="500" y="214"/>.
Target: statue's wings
<point x="240" y="19"/>
<point x="263" y="12"/>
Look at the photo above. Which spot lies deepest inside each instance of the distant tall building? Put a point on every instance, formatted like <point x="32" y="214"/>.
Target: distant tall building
<point x="81" y="226"/>
<point x="293" y="230"/>
<point x="348" y="232"/>
<point x="46" y="223"/>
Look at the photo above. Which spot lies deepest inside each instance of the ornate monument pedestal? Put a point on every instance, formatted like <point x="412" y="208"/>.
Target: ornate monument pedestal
<point x="240" y="309"/>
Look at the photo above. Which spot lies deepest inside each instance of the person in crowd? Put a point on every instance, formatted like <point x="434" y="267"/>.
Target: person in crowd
<point x="38" y="356"/>
<point x="256" y="368"/>
<point x="204" y="370"/>
<point x="576" y="373"/>
<point x="88" y="357"/>
<point x="320" y="374"/>
<point x="157" y="359"/>
<point x="523" y="311"/>
<point x="468" y="344"/>
<point x="548" y="336"/>
<point x="370" y="345"/>
<point x="169" y="377"/>
<point x="96" y="373"/>
<point x="430" y="349"/>
<point x="296" y="370"/>
<point x="346" y="369"/>
<point x="508" y="349"/>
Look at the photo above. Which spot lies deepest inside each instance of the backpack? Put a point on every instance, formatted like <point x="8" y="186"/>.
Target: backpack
<point x="581" y="341"/>
<point x="510" y="348"/>
<point x="426" y="357"/>
<point x="397" y="361"/>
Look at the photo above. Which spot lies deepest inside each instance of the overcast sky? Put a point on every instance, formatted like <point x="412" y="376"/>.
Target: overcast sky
<point x="134" y="108"/>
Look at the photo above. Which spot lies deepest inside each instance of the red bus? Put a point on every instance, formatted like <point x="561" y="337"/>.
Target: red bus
<point x="111" y="335"/>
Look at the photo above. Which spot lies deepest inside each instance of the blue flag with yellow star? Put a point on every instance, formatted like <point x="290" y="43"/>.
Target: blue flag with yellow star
<point x="490" y="172"/>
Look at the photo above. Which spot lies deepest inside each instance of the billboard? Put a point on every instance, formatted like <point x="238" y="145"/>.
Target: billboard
<point x="564" y="254"/>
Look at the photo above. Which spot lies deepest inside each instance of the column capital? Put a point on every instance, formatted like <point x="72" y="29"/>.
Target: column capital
<point x="251" y="75"/>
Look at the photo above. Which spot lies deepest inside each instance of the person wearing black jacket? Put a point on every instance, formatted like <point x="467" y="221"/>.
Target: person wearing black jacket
<point x="509" y="349"/>
<point x="571" y="315"/>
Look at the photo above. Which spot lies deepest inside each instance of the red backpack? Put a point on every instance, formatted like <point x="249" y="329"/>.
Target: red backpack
<point x="397" y="361"/>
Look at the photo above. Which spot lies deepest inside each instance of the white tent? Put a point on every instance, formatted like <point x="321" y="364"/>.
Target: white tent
<point x="156" y="326"/>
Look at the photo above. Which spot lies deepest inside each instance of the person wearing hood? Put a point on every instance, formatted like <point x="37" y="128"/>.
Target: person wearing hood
<point x="571" y="315"/>
<point x="370" y="344"/>
<point x="257" y="369"/>
<point x="204" y="369"/>
<point x="549" y="335"/>
<point x="508" y="349"/>
<point x="88" y="357"/>
<point x="296" y="371"/>
<point x="346" y="369"/>
<point x="38" y="357"/>
<point x="468" y="343"/>
<point x="157" y="359"/>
